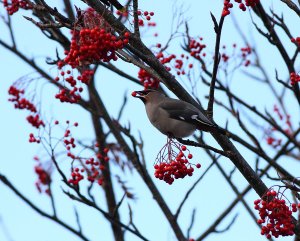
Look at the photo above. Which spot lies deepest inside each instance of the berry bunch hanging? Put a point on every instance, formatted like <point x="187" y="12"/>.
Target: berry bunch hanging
<point x="90" y="46"/>
<point x="13" y="6"/>
<point x="173" y="163"/>
<point x="273" y="136"/>
<point x="171" y="62"/>
<point x="147" y="79"/>
<point x="93" y="40"/>
<point x="93" y="168"/>
<point x="242" y="5"/>
<point x="24" y="104"/>
<point x="68" y="77"/>
<point x="43" y="172"/>
<point x="196" y="47"/>
<point x="295" y="78"/>
<point x="275" y="215"/>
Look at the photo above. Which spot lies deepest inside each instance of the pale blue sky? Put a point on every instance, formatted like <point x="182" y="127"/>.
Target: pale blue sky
<point x="210" y="197"/>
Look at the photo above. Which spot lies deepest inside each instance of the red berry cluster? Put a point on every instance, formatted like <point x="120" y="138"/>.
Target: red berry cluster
<point x="177" y="65"/>
<point x="92" y="41"/>
<point x="76" y="176"/>
<point x="226" y="7"/>
<point x="275" y="215"/>
<point x="24" y="104"/>
<point x="69" y="143"/>
<point x="196" y="47"/>
<point x="142" y="15"/>
<point x="240" y="57"/>
<point x="13" y="6"/>
<point x="274" y="142"/>
<point x="73" y="95"/>
<point x="95" y="168"/>
<point x="147" y="80"/>
<point x="88" y="168"/>
<point x="296" y="40"/>
<point x="242" y="5"/>
<point x="237" y="57"/>
<point x="20" y="103"/>
<point x="181" y="63"/>
<point x="33" y="139"/>
<point x="103" y="157"/>
<point x="146" y="15"/>
<point x="172" y="163"/>
<point x="244" y="54"/>
<point x="225" y="57"/>
<point x="165" y="59"/>
<point x="44" y="176"/>
<point x="70" y="96"/>
<point x="246" y="51"/>
<point x="68" y="140"/>
<point x="35" y="120"/>
<point x="92" y="167"/>
<point x="92" y="45"/>
<point x="284" y="121"/>
<point x="295" y="78"/>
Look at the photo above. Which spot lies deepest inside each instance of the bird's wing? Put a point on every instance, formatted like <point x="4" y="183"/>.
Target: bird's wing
<point x="181" y="110"/>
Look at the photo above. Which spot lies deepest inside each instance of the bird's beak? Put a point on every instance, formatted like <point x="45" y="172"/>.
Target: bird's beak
<point x="139" y="94"/>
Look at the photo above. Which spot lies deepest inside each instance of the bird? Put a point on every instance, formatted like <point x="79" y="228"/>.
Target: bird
<point x="172" y="117"/>
<point x="115" y="3"/>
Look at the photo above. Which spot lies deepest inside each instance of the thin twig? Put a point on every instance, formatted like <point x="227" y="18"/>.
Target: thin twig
<point x="218" y="30"/>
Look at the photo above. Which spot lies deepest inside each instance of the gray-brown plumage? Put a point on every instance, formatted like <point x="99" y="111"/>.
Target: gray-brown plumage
<point x="173" y="117"/>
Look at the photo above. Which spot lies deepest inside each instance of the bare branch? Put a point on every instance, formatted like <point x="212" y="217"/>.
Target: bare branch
<point x="6" y="182"/>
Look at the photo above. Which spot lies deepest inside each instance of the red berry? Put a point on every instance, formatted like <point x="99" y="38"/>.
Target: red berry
<point x="126" y="34"/>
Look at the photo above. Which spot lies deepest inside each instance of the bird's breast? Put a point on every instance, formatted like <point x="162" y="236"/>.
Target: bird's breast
<point x="166" y="125"/>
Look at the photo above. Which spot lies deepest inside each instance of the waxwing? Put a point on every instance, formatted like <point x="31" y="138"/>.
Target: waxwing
<point x="172" y="117"/>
